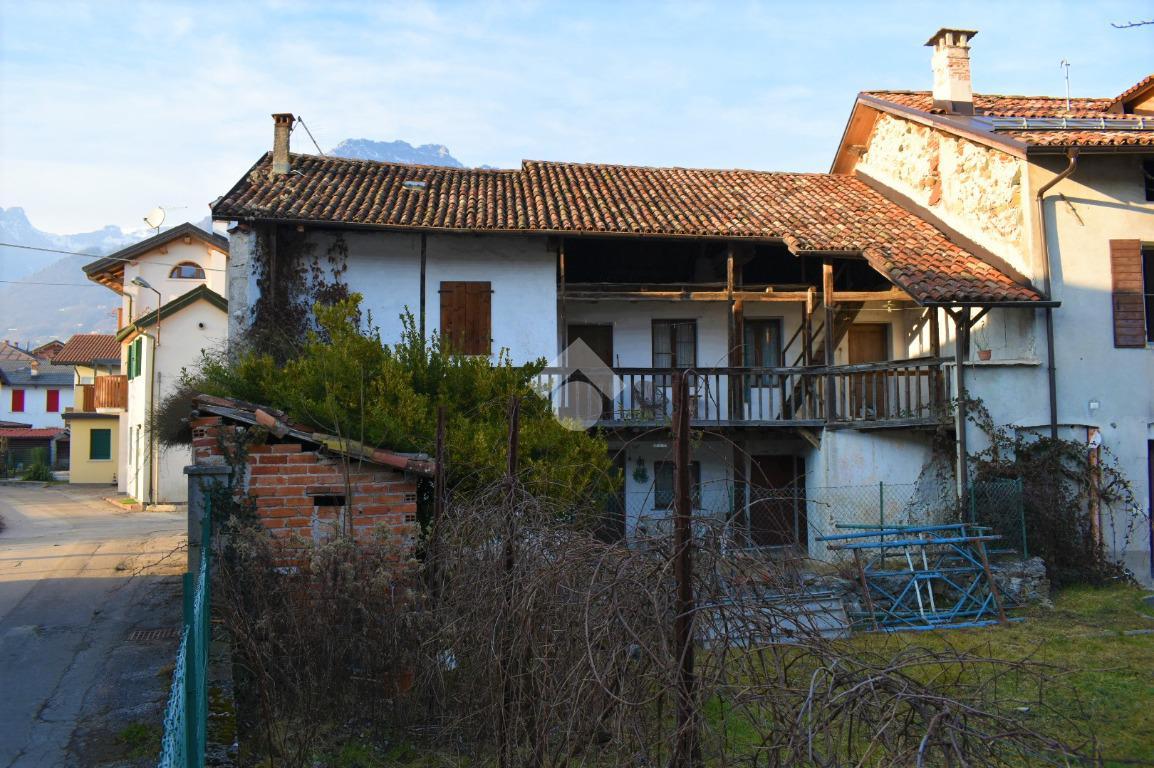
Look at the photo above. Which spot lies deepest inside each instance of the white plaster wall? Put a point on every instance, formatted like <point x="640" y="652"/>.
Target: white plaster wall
<point x="155" y="267"/>
<point x="641" y="519"/>
<point x="35" y="406"/>
<point x="1103" y="200"/>
<point x="524" y="277"/>
<point x="385" y="267"/>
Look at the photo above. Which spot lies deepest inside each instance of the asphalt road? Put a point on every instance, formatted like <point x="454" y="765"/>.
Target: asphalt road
<point x="77" y="577"/>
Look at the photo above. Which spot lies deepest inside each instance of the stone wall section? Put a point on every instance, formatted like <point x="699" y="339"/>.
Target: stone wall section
<point x="972" y="188"/>
<point x="294" y="489"/>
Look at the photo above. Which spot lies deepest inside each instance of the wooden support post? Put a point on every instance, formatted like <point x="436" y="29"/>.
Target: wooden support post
<point x="994" y="591"/>
<point x="961" y="345"/>
<point x="937" y="390"/>
<point x="686" y="749"/>
<point x="827" y="301"/>
<point x="807" y="349"/>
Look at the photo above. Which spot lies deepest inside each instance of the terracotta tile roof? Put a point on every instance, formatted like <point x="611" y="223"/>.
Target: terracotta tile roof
<point x="9" y="351"/>
<point x="34" y="433"/>
<point x="817" y="212"/>
<point x="1087" y="138"/>
<point x="1137" y="87"/>
<point x="994" y="105"/>
<point x="1032" y="107"/>
<point x="84" y="348"/>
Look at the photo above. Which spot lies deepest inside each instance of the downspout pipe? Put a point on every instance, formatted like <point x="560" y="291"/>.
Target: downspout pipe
<point x="1051" y="370"/>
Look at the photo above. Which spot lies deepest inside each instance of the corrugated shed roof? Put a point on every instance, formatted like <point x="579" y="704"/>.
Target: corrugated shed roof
<point x="809" y="212"/>
<point x="85" y="348"/>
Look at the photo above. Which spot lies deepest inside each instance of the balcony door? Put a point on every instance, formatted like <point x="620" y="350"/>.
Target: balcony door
<point x="868" y="343"/>
<point x="777" y="513"/>
<point x="599" y="338"/>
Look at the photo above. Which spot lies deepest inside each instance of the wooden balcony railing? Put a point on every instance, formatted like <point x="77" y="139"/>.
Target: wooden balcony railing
<point x="879" y="394"/>
<point x="110" y="392"/>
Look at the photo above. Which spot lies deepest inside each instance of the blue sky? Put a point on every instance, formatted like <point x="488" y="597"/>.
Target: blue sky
<point x="110" y="108"/>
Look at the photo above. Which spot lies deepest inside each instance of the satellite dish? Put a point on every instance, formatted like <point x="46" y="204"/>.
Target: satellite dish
<point x="155" y="218"/>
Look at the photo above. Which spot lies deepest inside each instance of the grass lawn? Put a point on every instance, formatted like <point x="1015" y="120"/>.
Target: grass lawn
<point x="1110" y="674"/>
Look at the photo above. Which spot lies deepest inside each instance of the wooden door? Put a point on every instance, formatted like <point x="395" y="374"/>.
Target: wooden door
<point x="777" y="514"/>
<point x="868" y="343"/>
<point x="598" y="338"/>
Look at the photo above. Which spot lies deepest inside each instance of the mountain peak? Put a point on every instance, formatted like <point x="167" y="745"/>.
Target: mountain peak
<point x="396" y="152"/>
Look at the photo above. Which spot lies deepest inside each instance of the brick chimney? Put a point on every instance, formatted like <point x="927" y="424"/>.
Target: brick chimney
<point x="951" y="64"/>
<point x="282" y="127"/>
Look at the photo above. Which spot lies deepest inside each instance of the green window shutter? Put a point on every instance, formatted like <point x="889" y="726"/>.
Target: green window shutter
<point x="100" y="447"/>
<point x="131" y="360"/>
<point x="139" y="348"/>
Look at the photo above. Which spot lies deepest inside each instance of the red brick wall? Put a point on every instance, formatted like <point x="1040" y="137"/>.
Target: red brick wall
<point x="286" y="478"/>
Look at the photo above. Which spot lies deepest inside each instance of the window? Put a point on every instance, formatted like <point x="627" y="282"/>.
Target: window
<point x="466" y="317"/>
<point x="674" y="343"/>
<point x="17" y="401"/>
<point x="137" y="356"/>
<point x="762" y="347"/>
<point x="663" y="484"/>
<point x="53" y="401"/>
<point x="187" y="270"/>
<point x="1148" y="177"/>
<point x="1132" y="277"/>
<point x="100" y="445"/>
<point x="1148" y="289"/>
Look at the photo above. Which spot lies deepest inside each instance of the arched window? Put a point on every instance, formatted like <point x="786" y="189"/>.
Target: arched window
<point x="187" y="270"/>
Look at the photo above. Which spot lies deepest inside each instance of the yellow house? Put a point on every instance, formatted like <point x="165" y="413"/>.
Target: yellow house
<point x="100" y="395"/>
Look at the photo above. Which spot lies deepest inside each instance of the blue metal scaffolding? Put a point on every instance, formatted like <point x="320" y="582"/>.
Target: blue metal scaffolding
<point x="923" y="577"/>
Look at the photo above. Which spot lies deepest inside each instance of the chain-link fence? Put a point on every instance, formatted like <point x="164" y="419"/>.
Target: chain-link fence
<point x="186" y="716"/>
<point x="791" y="518"/>
<point x="999" y="505"/>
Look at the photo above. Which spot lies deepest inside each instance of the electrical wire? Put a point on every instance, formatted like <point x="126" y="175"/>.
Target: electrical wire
<point x="34" y="282"/>
<point x="99" y="258"/>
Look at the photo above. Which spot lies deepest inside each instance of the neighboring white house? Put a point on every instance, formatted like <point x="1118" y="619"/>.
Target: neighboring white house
<point x="34" y="393"/>
<point x="183" y="273"/>
<point x="918" y="252"/>
<point x="1060" y="194"/>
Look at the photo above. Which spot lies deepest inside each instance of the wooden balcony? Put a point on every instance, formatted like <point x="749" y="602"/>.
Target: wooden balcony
<point x="110" y="393"/>
<point x="891" y="394"/>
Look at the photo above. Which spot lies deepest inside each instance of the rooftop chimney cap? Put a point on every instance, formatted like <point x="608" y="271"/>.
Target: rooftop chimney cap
<point x="959" y="37"/>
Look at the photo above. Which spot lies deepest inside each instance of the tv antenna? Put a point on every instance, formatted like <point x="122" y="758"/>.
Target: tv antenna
<point x="1065" y="64"/>
<point x="155" y="218"/>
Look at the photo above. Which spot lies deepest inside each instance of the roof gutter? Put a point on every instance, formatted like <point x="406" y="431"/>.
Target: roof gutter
<point x="1051" y="369"/>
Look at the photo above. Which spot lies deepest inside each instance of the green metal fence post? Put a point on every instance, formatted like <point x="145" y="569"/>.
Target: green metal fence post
<point x="189" y="670"/>
<point x="1019" y="488"/>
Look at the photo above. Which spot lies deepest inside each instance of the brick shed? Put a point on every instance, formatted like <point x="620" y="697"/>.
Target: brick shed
<point x="304" y="482"/>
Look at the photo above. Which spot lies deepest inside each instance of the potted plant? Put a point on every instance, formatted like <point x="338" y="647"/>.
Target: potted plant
<point x="983" y="344"/>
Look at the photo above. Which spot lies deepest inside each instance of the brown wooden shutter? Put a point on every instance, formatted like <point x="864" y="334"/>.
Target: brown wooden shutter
<point x="1129" y="303"/>
<point x="466" y="316"/>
